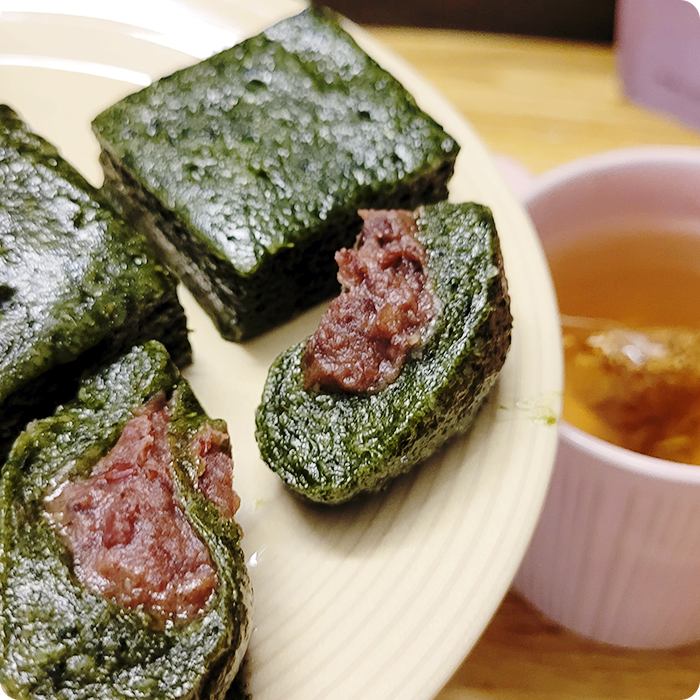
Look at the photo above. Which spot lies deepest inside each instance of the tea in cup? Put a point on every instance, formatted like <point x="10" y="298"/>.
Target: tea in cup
<point x="616" y="554"/>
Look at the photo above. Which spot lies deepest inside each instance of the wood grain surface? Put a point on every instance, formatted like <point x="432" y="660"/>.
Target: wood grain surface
<point x="545" y="102"/>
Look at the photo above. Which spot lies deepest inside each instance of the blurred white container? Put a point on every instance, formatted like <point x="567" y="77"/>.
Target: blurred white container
<point x="616" y="554"/>
<point x="658" y="55"/>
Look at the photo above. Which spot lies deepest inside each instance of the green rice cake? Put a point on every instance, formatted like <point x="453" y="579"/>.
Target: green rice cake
<point x="247" y="169"/>
<point x="59" y="639"/>
<point x="331" y="447"/>
<point x="77" y="285"/>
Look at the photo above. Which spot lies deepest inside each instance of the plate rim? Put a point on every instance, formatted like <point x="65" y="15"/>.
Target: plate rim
<point x="545" y="441"/>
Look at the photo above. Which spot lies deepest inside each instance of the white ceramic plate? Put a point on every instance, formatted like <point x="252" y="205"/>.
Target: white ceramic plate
<point x="384" y="598"/>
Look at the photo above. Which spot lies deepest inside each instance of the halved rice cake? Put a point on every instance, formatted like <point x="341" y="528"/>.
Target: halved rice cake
<point x="121" y="571"/>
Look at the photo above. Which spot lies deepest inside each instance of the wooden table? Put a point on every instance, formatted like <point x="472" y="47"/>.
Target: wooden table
<point x="544" y="103"/>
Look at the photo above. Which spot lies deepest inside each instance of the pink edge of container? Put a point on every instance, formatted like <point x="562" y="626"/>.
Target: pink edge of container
<point x="658" y="55"/>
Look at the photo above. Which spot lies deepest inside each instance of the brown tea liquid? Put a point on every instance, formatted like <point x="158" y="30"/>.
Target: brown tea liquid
<point x="630" y="305"/>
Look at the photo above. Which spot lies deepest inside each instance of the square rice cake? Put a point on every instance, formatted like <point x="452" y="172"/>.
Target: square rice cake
<point x="247" y="169"/>
<point x="78" y="286"/>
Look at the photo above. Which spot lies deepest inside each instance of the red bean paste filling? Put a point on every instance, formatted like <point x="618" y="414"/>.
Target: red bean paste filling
<point x="130" y="538"/>
<point x="212" y="447"/>
<point x="384" y="312"/>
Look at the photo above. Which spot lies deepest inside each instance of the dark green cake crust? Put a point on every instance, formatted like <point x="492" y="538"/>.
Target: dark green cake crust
<point x="331" y="447"/>
<point x="247" y="169"/>
<point x="77" y="285"/>
<point x="57" y="639"/>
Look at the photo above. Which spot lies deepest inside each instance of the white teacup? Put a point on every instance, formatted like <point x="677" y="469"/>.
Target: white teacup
<point x="616" y="554"/>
